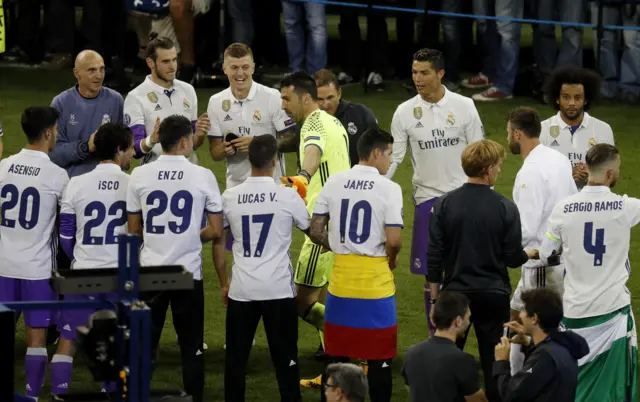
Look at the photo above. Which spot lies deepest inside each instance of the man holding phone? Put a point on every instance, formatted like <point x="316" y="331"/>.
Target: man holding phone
<point x="241" y="112"/>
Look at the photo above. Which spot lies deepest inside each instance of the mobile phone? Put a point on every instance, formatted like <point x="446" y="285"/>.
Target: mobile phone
<point x="230" y="137"/>
<point x="505" y="332"/>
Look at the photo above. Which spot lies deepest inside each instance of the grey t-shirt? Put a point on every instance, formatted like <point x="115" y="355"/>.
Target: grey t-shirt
<point x="437" y="371"/>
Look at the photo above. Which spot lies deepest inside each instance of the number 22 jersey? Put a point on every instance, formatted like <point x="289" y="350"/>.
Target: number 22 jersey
<point x="31" y="188"/>
<point x="172" y="194"/>
<point x="94" y="212"/>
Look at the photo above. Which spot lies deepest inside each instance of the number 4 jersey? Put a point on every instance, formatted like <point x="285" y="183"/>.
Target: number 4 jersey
<point x="31" y="188"/>
<point x="261" y="215"/>
<point x="594" y="229"/>
<point x="172" y="194"/>
<point x="92" y="214"/>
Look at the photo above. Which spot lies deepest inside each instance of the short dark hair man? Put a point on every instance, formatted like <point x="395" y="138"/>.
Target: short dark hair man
<point x="346" y="382"/>
<point x="550" y="372"/>
<point x="435" y="369"/>
<point x="355" y="117"/>
<point x="572" y="131"/>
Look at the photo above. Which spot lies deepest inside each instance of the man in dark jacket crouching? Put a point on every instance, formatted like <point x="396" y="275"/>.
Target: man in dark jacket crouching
<point x="550" y="371"/>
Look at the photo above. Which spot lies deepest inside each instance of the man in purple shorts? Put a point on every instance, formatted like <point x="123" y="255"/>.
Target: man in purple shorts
<point x="31" y="188"/>
<point x="88" y="240"/>
<point x="437" y="125"/>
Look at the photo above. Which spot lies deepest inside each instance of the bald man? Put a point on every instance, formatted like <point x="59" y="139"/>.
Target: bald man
<point x="83" y="109"/>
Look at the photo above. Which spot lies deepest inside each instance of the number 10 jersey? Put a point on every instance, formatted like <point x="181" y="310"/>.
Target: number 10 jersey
<point x="31" y="188"/>
<point x="172" y="194"/>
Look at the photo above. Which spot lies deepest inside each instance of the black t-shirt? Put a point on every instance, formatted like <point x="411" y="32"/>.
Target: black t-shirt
<point x="437" y="371"/>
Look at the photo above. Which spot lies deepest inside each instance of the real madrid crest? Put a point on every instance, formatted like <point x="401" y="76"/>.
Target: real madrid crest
<point x="554" y="131"/>
<point x="451" y="120"/>
<point x="257" y="116"/>
<point x="226" y="105"/>
<point x="106" y="119"/>
<point x="592" y="141"/>
<point x="186" y="103"/>
<point x="153" y="98"/>
<point x="352" y="128"/>
<point x="417" y="112"/>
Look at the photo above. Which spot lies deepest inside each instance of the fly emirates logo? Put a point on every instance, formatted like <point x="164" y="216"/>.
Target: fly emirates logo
<point x="439" y="140"/>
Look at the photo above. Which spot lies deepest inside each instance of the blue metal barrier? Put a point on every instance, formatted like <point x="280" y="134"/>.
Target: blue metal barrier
<point x="474" y="16"/>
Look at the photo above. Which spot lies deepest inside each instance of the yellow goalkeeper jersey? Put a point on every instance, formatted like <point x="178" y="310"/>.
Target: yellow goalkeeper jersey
<point x="327" y="133"/>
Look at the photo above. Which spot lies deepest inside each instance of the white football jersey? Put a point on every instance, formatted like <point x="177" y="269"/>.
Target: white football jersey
<point x="172" y="195"/>
<point x="436" y="134"/>
<point x="594" y="229"/>
<point x="261" y="113"/>
<point x="149" y="100"/>
<point x="260" y="215"/>
<point x="556" y="134"/>
<point x="544" y="179"/>
<point x="98" y="200"/>
<point x="360" y="203"/>
<point x="31" y="188"/>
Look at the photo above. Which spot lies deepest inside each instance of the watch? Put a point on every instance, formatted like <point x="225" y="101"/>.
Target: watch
<point x="433" y="301"/>
<point x="83" y="146"/>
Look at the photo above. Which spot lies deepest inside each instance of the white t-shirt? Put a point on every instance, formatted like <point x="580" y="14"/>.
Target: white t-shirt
<point x="98" y="200"/>
<point x="360" y="203"/>
<point x="594" y="229"/>
<point x="436" y="134"/>
<point x="173" y="194"/>
<point x="261" y="113"/>
<point x="31" y="188"/>
<point x="261" y="214"/>
<point x="149" y="100"/>
<point x="544" y="179"/>
<point x="556" y="134"/>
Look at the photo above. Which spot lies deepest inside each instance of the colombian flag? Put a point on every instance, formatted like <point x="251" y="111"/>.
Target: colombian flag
<point x="360" y="314"/>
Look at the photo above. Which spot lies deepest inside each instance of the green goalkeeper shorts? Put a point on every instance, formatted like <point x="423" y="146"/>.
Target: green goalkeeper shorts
<point x="314" y="266"/>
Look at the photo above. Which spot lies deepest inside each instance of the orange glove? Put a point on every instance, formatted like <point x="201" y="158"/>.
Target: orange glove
<point x="298" y="183"/>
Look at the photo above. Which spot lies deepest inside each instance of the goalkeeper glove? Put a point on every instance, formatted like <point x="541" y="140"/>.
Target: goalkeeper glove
<point x="298" y="183"/>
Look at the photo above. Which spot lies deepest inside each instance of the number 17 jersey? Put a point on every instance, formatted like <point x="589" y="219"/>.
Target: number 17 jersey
<point x="594" y="227"/>
<point x="172" y="194"/>
<point x="31" y="188"/>
<point x="96" y="203"/>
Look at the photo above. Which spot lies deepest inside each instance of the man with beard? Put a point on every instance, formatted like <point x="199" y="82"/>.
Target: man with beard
<point x="543" y="180"/>
<point x="593" y="227"/>
<point x="573" y="90"/>
<point x="159" y="96"/>
<point x="435" y="369"/>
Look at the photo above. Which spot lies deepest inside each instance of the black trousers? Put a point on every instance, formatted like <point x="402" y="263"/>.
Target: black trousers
<point x="187" y="308"/>
<point x="489" y="312"/>
<point x="280" y="319"/>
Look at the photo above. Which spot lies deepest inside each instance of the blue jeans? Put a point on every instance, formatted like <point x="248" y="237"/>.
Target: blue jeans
<point x="626" y="77"/>
<point x="545" y="47"/>
<point x="452" y="40"/>
<point x="316" y="55"/>
<point x="241" y="13"/>
<point x="500" y="40"/>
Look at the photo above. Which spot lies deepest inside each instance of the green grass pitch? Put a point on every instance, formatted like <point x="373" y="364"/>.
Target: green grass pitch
<point x="22" y="88"/>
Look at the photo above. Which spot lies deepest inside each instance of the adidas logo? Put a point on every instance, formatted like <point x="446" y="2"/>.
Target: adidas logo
<point x="228" y="118"/>
<point x="292" y="363"/>
<point x="555" y="143"/>
<point x="67" y="327"/>
<point x="158" y="107"/>
<point x="419" y="125"/>
<point x="385" y="365"/>
<point x="64" y="385"/>
<point x="28" y="387"/>
<point x="199" y="352"/>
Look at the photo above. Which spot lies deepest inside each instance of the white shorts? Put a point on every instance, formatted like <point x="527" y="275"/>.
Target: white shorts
<point x="534" y="278"/>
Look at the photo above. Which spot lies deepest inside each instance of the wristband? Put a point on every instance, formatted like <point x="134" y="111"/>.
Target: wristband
<point x="433" y="301"/>
<point x="304" y="174"/>
<point x="149" y="143"/>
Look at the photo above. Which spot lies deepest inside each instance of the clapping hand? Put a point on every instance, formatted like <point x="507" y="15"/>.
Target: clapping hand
<point x="203" y="125"/>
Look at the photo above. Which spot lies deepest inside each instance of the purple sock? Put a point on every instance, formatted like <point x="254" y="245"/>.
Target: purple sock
<point x="35" y="365"/>
<point x="61" y="368"/>
<point x="109" y="386"/>
<point x="427" y="308"/>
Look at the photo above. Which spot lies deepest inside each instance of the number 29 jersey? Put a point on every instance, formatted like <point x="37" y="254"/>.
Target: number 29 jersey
<point x="96" y="201"/>
<point x="31" y="188"/>
<point x="360" y="203"/>
<point x="172" y="194"/>
<point x="594" y="228"/>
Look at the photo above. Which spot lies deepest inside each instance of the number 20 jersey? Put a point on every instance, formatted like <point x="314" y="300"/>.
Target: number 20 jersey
<point x="97" y="200"/>
<point x="172" y="194"/>
<point x="31" y="188"/>
<point x="360" y="203"/>
<point x="594" y="227"/>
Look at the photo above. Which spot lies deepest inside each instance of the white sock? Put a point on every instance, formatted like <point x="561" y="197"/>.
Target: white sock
<point x="516" y="358"/>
